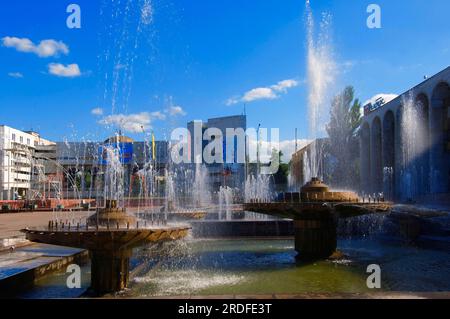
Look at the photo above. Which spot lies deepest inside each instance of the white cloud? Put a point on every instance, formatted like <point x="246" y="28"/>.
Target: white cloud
<point x="265" y="93"/>
<point x="233" y="100"/>
<point x="16" y="75"/>
<point x="158" y="115"/>
<point x="283" y="86"/>
<point x="387" y="98"/>
<point x="45" y="49"/>
<point x="97" y="111"/>
<point x="259" y="94"/>
<point x="132" y="123"/>
<point x="68" y="71"/>
<point x="176" y="110"/>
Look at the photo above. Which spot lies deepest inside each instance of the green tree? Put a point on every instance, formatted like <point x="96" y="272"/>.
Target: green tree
<point x="345" y="119"/>
<point x="281" y="176"/>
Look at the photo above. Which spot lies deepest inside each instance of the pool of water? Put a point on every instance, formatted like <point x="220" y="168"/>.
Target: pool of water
<point x="269" y="267"/>
<point x="230" y="267"/>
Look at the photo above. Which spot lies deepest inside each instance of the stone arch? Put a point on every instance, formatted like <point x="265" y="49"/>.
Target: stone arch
<point x="440" y="138"/>
<point x="389" y="155"/>
<point x="365" y="159"/>
<point x="376" y="156"/>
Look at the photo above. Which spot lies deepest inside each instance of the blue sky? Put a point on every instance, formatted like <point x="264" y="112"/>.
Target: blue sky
<point x="194" y="56"/>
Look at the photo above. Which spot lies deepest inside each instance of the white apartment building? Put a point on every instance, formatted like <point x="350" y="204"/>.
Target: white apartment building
<point x="22" y="162"/>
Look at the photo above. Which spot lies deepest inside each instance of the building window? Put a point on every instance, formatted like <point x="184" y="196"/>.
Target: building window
<point x="14" y="137"/>
<point x="21" y="139"/>
<point x="28" y="141"/>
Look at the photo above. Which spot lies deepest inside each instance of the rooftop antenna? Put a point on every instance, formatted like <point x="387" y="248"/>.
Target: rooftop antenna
<point x="296" y="144"/>
<point x="245" y="109"/>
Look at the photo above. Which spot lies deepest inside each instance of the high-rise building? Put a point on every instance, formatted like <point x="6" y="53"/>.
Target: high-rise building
<point x="25" y="164"/>
<point x="231" y="174"/>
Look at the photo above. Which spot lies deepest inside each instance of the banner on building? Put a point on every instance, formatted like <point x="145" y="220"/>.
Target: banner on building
<point x="124" y="151"/>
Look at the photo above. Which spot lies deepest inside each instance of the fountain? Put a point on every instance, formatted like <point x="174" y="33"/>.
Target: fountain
<point x="321" y="76"/>
<point x="258" y="188"/>
<point x="201" y="197"/>
<point x="315" y="211"/>
<point x="185" y="201"/>
<point x="225" y="202"/>
<point x="413" y="174"/>
<point x="110" y="234"/>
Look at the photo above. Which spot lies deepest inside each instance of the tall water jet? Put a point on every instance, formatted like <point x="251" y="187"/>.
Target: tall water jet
<point x="293" y="183"/>
<point x="321" y="76"/>
<point x="307" y="171"/>
<point x="225" y="202"/>
<point x="201" y="196"/>
<point x="126" y="41"/>
<point x="413" y="174"/>
<point x="114" y="175"/>
<point x="169" y="193"/>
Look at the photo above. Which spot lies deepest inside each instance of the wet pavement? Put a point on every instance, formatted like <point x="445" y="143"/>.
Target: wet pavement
<point x="31" y="257"/>
<point x="11" y="224"/>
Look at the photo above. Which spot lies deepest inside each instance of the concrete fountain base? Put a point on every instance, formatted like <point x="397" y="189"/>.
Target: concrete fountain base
<point x="110" y="248"/>
<point x="316" y="238"/>
<point x="315" y="215"/>
<point x="111" y="216"/>
<point x="110" y="270"/>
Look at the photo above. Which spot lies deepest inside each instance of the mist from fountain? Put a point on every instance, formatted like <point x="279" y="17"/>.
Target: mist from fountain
<point x="321" y="76"/>
<point x="147" y="188"/>
<point x="413" y="146"/>
<point x="388" y="182"/>
<point x="307" y="171"/>
<point x="365" y="226"/>
<point x="258" y="188"/>
<point x="126" y="40"/>
<point x="169" y="193"/>
<point x="114" y="175"/>
<point x="201" y="196"/>
<point x="293" y="184"/>
<point x="225" y="203"/>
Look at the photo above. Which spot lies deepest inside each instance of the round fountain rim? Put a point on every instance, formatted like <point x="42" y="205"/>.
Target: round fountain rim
<point x="317" y="191"/>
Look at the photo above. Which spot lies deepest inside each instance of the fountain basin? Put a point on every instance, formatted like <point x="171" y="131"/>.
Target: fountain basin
<point x="104" y="239"/>
<point x="109" y="250"/>
<point x="315" y="215"/>
<point x="313" y="210"/>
